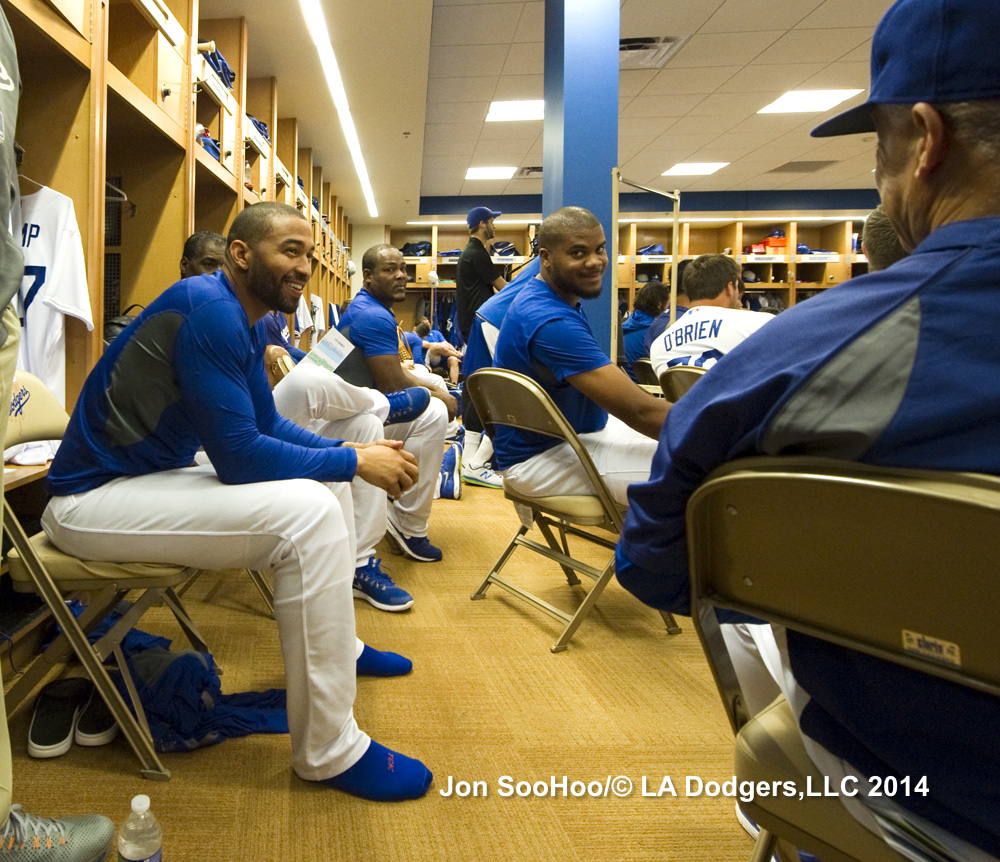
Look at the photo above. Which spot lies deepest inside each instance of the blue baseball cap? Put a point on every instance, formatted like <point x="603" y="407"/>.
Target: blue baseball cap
<point x="479" y="214"/>
<point x="936" y="51"/>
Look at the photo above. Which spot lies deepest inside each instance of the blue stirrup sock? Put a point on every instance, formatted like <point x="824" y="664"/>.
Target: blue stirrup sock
<point x="383" y="776"/>
<point x="373" y="662"/>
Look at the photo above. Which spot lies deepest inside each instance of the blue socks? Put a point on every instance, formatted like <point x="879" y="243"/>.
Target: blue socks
<point x="383" y="776"/>
<point x="373" y="662"/>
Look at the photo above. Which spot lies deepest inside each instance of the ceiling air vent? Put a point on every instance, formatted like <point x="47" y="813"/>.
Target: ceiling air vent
<point x="800" y="167"/>
<point x="532" y="173"/>
<point x="647" y="52"/>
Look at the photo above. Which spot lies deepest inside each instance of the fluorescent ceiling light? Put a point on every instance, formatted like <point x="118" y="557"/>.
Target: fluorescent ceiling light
<point x="693" y="169"/>
<point x="530" y="109"/>
<point x="808" y="101"/>
<point x="490" y="173"/>
<point x="312" y="12"/>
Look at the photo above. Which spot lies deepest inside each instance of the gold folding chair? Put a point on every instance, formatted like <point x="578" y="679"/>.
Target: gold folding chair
<point x="676" y="380"/>
<point x="505" y="397"/>
<point x="37" y="566"/>
<point x="796" y="541"/>
<point x="646" y="377"/>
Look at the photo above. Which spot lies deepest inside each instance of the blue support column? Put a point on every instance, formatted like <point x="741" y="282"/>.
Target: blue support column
<point x="581" y="123"/>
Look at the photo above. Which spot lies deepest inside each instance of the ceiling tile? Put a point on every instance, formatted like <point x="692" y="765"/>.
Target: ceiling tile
<point x="738" y="106"/>
<point x="632" y="81"/>
<point x="518" y="87"/>
<point x="525" y="132"/>
<point x="740" y="16"/>
<point x="525" y="58"/>
<point x="660" y="106"/>
<point x="803" y="46"/>
<point x="722" y="49"/>
<point x="857" y="13"/>
<point x="473" y="25"/>
<point x="531" y="22"/>
<point x="460" y="61"/>
<point x="648" y="127"/>
<point x="839" y="76"/>
<point x="452" y="131"/>
<point x="452" y="90"/>
<point x="656" y="18"/>
<point x="678" y="81"/>
<point x="499" y="153"/>
<point x="459" y="112"/>
<point x="448" y="147"/>
<point x="762" y="77"/>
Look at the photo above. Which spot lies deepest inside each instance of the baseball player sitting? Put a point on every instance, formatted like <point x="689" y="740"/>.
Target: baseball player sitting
<point x="189" y="372"/>
<point x="546" y="336"/>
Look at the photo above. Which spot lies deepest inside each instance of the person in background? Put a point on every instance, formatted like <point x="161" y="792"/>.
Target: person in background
<point x="477" y="278"/>
<point x="204" y="252"/>
<point x="715" y="321"/>
<point x="371" y="326"/>
<point x="477" y="461"/>
<point x="652" y="298"/>
<point x="546" y="336"/>
<point x="663" y="320"/>
<point x="434" y="349"/>
<point x="867" y="373"/>
<point x="880" y="242"/>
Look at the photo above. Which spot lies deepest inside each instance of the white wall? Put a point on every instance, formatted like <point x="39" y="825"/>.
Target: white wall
<point x="363" y="237"/>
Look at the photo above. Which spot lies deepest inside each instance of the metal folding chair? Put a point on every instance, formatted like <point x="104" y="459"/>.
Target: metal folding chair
<point x="796" y="541"/>
<point x="676" y="380"/>
<point x="505" y="397"/>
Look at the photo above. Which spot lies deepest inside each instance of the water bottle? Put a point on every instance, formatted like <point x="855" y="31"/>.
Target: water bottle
<point x="141" y="838"/>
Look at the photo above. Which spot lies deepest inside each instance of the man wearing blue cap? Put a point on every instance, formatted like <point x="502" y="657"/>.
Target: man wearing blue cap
<point x="860" y="375"/>
<point x="477" y="276"/>
<point x="477" y="281"/>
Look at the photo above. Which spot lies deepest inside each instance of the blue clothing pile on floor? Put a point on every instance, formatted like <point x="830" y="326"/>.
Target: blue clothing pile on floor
<point x="182" y="697"/>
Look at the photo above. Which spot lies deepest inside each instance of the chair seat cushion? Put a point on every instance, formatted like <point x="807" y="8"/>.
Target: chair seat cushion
<point x="769" y="748"/>
<point x="70" y="573"/>
<point x="578" y="509"/>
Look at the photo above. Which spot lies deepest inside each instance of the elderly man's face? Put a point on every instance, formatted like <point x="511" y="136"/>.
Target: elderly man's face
<point x="904" y="197"/>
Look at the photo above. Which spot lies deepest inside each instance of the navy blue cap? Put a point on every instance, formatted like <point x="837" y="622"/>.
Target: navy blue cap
<point x="478" y="214"/>
<point x="936" y="51"/>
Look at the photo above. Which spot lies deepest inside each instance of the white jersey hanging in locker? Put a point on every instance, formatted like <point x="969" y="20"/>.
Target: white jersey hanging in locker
<point x="54" y="284"/>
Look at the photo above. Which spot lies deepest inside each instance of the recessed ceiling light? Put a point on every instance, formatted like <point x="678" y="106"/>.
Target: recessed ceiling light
<point x="693" y="169"/>
<point x="490" y="173"/>
<point x="530" y="109"/>
<point x="808" y="101"/>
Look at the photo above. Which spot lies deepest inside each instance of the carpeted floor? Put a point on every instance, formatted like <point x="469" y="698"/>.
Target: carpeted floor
<point x="486" y="699"/>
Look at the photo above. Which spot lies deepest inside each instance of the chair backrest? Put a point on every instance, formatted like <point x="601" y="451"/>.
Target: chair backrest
<point x="889" y="562"/>
<point x="35" y="413"/>
<point x="676" y="380"/>
<point x="277" y="363"/>
<point x="644" y="374"/>
<point x="504" y="397"/>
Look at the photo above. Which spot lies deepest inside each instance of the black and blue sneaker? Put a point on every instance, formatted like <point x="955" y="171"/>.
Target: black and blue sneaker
<point x="407" y="404"/>
<point x="416" y="548"/>
<point x="376" y="587"/>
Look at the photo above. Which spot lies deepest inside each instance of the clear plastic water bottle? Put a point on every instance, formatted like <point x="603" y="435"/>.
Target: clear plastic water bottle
<point x="140" y="838"/>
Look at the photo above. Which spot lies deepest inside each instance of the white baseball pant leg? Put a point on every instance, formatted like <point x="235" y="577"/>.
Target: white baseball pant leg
<point x="621" y="455"/>
<point x="298" y="528"/>
<point x="424" y="439"/>
<point x="325" y="404"/>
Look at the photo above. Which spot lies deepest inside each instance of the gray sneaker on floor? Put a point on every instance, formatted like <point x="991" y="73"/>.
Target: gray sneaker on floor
<point x="71" y="839"/>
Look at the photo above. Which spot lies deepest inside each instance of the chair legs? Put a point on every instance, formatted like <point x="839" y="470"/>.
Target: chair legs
<point x="558" y="552"/>
<point x="141" y="742"/>
<point x="264" y="588"/>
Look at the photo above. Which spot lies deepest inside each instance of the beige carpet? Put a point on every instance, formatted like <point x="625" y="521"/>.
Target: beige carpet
<point x="486" y="699"/>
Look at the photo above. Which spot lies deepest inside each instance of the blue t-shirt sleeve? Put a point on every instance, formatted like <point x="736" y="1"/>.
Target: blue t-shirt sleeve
<point x="275" y="337"/>
<point x="230" y="407"/>
<point x="566" y="347"/>
<point x="375" y="334"/>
